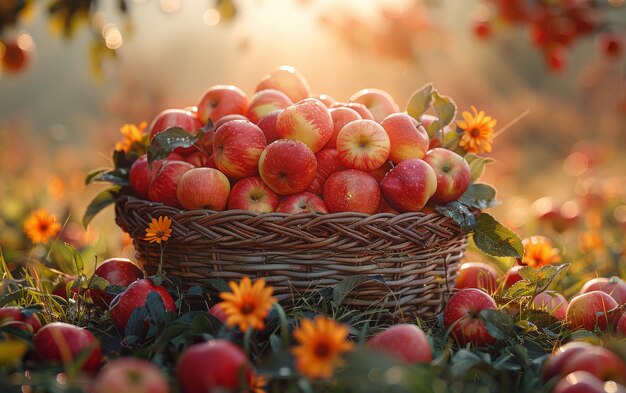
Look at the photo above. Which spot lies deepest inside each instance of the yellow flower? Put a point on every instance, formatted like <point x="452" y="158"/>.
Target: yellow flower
<point x="539" y="251"/>
<point x="40" y="226"/>
<point x="477" y="131"/>
<point x="131" y="134"/>
<point x="248" y="304"/>
<point x="322" y="341"/>
<point x="159" y="230"/>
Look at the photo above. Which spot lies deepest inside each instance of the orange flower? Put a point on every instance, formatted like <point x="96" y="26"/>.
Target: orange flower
<point x="322" y="341"/>
<point x="248" y="305"/>
<point x="131" y="134"/>
<point x="159" y="230"/>
<point x="257" y="383"/>
<point x="539" y="251"/>
<point x="590" y="241"/>
<point x="40" y="226"/>
<point x="477" y="131"/>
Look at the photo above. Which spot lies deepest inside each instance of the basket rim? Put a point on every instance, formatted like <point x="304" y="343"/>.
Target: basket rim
<point x="125" y="198"/>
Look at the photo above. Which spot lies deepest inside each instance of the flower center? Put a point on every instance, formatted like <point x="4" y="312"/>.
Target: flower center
<point x="474" y="132"/>
<point x="247" y="308"/>
<point x="160" y="234"/>
<point x="322" y="350"/>
<point x="43" y="227"/>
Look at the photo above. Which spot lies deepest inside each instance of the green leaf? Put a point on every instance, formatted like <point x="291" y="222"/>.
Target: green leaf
<point x="165" y="142"/>
<point x="445" y="110"/>
<point x="102" y="200"/>
<point x="348" y="284"/>
<point x="460" y="214"/>
<point x="479" y="196"/>
<point x="498" y="323"/>
<point x="98" y="282"/>
<point x="117" y="176"/>
<point x="547" y="274"/>
<point x="156" y="308"/>
<point x="495" y="239"/>
<point x="420" y="101"/>
<point x="217" y="284"/>
<point x="529" y="273"/>
<point x="520" y="289"/>
<point x="78" y="260"/>
<point x="92" y="175"/>
<point x="477" y="165"/>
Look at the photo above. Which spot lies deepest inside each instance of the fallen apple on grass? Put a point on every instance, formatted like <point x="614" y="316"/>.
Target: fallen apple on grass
<point x="62" y="343"/>
<point x="136" y="296"/>
<point x="214" y="366"/>
<point x="404" y="342"/>
<point x="462" y="317"/>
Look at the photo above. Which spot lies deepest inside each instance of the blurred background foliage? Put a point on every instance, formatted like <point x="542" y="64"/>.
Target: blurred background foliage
<point x="74" y="71"/>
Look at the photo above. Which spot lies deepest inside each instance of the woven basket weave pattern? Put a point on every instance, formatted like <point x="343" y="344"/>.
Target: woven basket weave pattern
<point x="416" y="254"/>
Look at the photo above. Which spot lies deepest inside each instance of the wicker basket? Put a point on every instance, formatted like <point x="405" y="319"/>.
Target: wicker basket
<point x="416" y="254"/>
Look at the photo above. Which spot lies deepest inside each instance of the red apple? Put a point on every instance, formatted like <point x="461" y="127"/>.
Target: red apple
<point x="267" y="124"/>
<point x="561" y="356"/>
<point x="198" y="371"/>
<point x="363" y="145"/>
<point x="307" y="121"/>
<point x="266" y="101"/>
<point x="218" y="312"/>
<point x="324" y="98"/>
<point x="614" y="286"/>
<point x="379" y="102"/>
<point x="453" y="175"/>
<point x="139" y="177"/>
<point x="621" y="324"/>
<point x="584" y="382"/>
<point x="252" y="194"/>
<point x="203" y="188"/>
<point x="130" y="375"/>
<point x="380" y="173"/>
<point x="176" y="118"/>
<point x="588" y="310"/>
<point x="407" y="137"/>
<point x="435" y="141"/>
<point x="341" y="116"/>
<point x="385" y="208"/>
<point x="164" y="181"/>
<point x="20" y="319"/>
<point x="136" y="296"/>
<point x="461" y="315"/>
<point x="198" y="159"/>
<point x="237" y="146"/>
<point x="287" y="166"/>
<point x="355" y="106"/>
<point x="226" y="119"/>
<point x="512" y="276"/>
<point x="404" y="342"/>
<point x="222" y="100"/>
<point x="59" y="342"/>
<point x="351" y="191"/>
<point x="302" y="202"/>
<point x="117" y="271"/>
<point x="287" y="80"/>
<point x="409" y="185"/>
<point x="327" y="164"/>
<point x="598" y="361"/>
<point x="477" y="275"/>
<point x="551" y="302"/>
